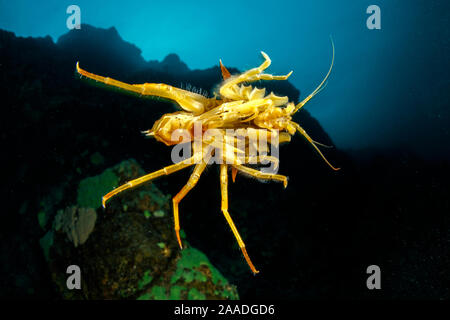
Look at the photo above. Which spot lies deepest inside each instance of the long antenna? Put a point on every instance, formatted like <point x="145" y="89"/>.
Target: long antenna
<point x="321" y="85"/>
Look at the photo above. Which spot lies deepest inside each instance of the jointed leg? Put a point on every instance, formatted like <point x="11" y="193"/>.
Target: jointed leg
<point x="262" y="175"/>
<point x="224" y="192"/>
<point x="266" y="159"/>
<point x="107" y="80"/>
<point x="255" y="72"/>
<point x="187" y="100"/>
<point x="164" y="171"/>
<point x="264" y="76"/>
<point x="251" y="75"/>
<point x="259" y="69"/>
<point x="176" y="200"/>
<point x="244" y="76"/>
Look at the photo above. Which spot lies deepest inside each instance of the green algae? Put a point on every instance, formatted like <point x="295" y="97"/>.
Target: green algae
<point x="194" y="267"/>
<point x="193" y="272"/>
<point x="199" y="276"/>
<point x="42" y="219"/>
<point x="156" y="293"/>
<point x="194" y="294"/>
<point x="146" y="279"/>
<point x="189" y="266"/>
<point x="145" y="296"/>
<point x="175" y="292"/>
<point x="97" y="159"/>
<point x="46" y="242"/>
<point x="161" y="245"/>
<point x="174" y="275"/>
<point x="92" y="189"/>
<point x="155" y="195"/>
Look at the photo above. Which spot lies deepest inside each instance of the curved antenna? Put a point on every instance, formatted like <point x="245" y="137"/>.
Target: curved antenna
<point x="320" y="86"/>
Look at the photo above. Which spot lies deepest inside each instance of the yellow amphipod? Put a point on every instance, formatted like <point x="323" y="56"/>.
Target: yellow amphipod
<point x="234" y="106"/>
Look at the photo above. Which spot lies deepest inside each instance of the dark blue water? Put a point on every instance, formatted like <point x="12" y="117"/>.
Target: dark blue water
<point x="389" y="87"/>
<point x="388" y="91"/>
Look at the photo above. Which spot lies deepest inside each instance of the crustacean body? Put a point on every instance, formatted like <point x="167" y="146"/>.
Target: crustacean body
<point x="235" y="106"/>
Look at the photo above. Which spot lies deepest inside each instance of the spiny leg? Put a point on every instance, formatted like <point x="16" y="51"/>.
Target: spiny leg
<point x="187" y="100"/>
<point x="133" y="183"/>
<point x="262" y="76"/>
<point x="193" y="179"/>
<point x="265" y="76"/>
<point x="107" y="80"/>
<point x="262" y="175"/>
<point x="264" y="160"/>
<point x="224" y="192"/>
<point x="246" y="75"/>
<point x="257" y="70"/>
<point x="256" y="74"/>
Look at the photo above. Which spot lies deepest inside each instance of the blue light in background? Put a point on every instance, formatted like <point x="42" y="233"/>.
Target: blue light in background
<point x="386" y="87"/>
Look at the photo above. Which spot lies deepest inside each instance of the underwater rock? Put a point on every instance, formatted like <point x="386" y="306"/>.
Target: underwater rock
<point x="46" y="242"/>
<point x="97" y="159"/>
<point x="47" y="95"/>
<point x="77" y="223"/>
<point x="132" y="252"/>
<point x="111" y="50"/>
<point x="171" y="64"/>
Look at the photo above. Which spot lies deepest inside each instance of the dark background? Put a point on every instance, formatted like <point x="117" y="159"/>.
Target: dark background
<point x="389" y="205"/>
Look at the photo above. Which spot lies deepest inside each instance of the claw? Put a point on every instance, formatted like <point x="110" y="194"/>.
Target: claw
<point x="266" y="63"/>
<point x="265" y="55"/>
